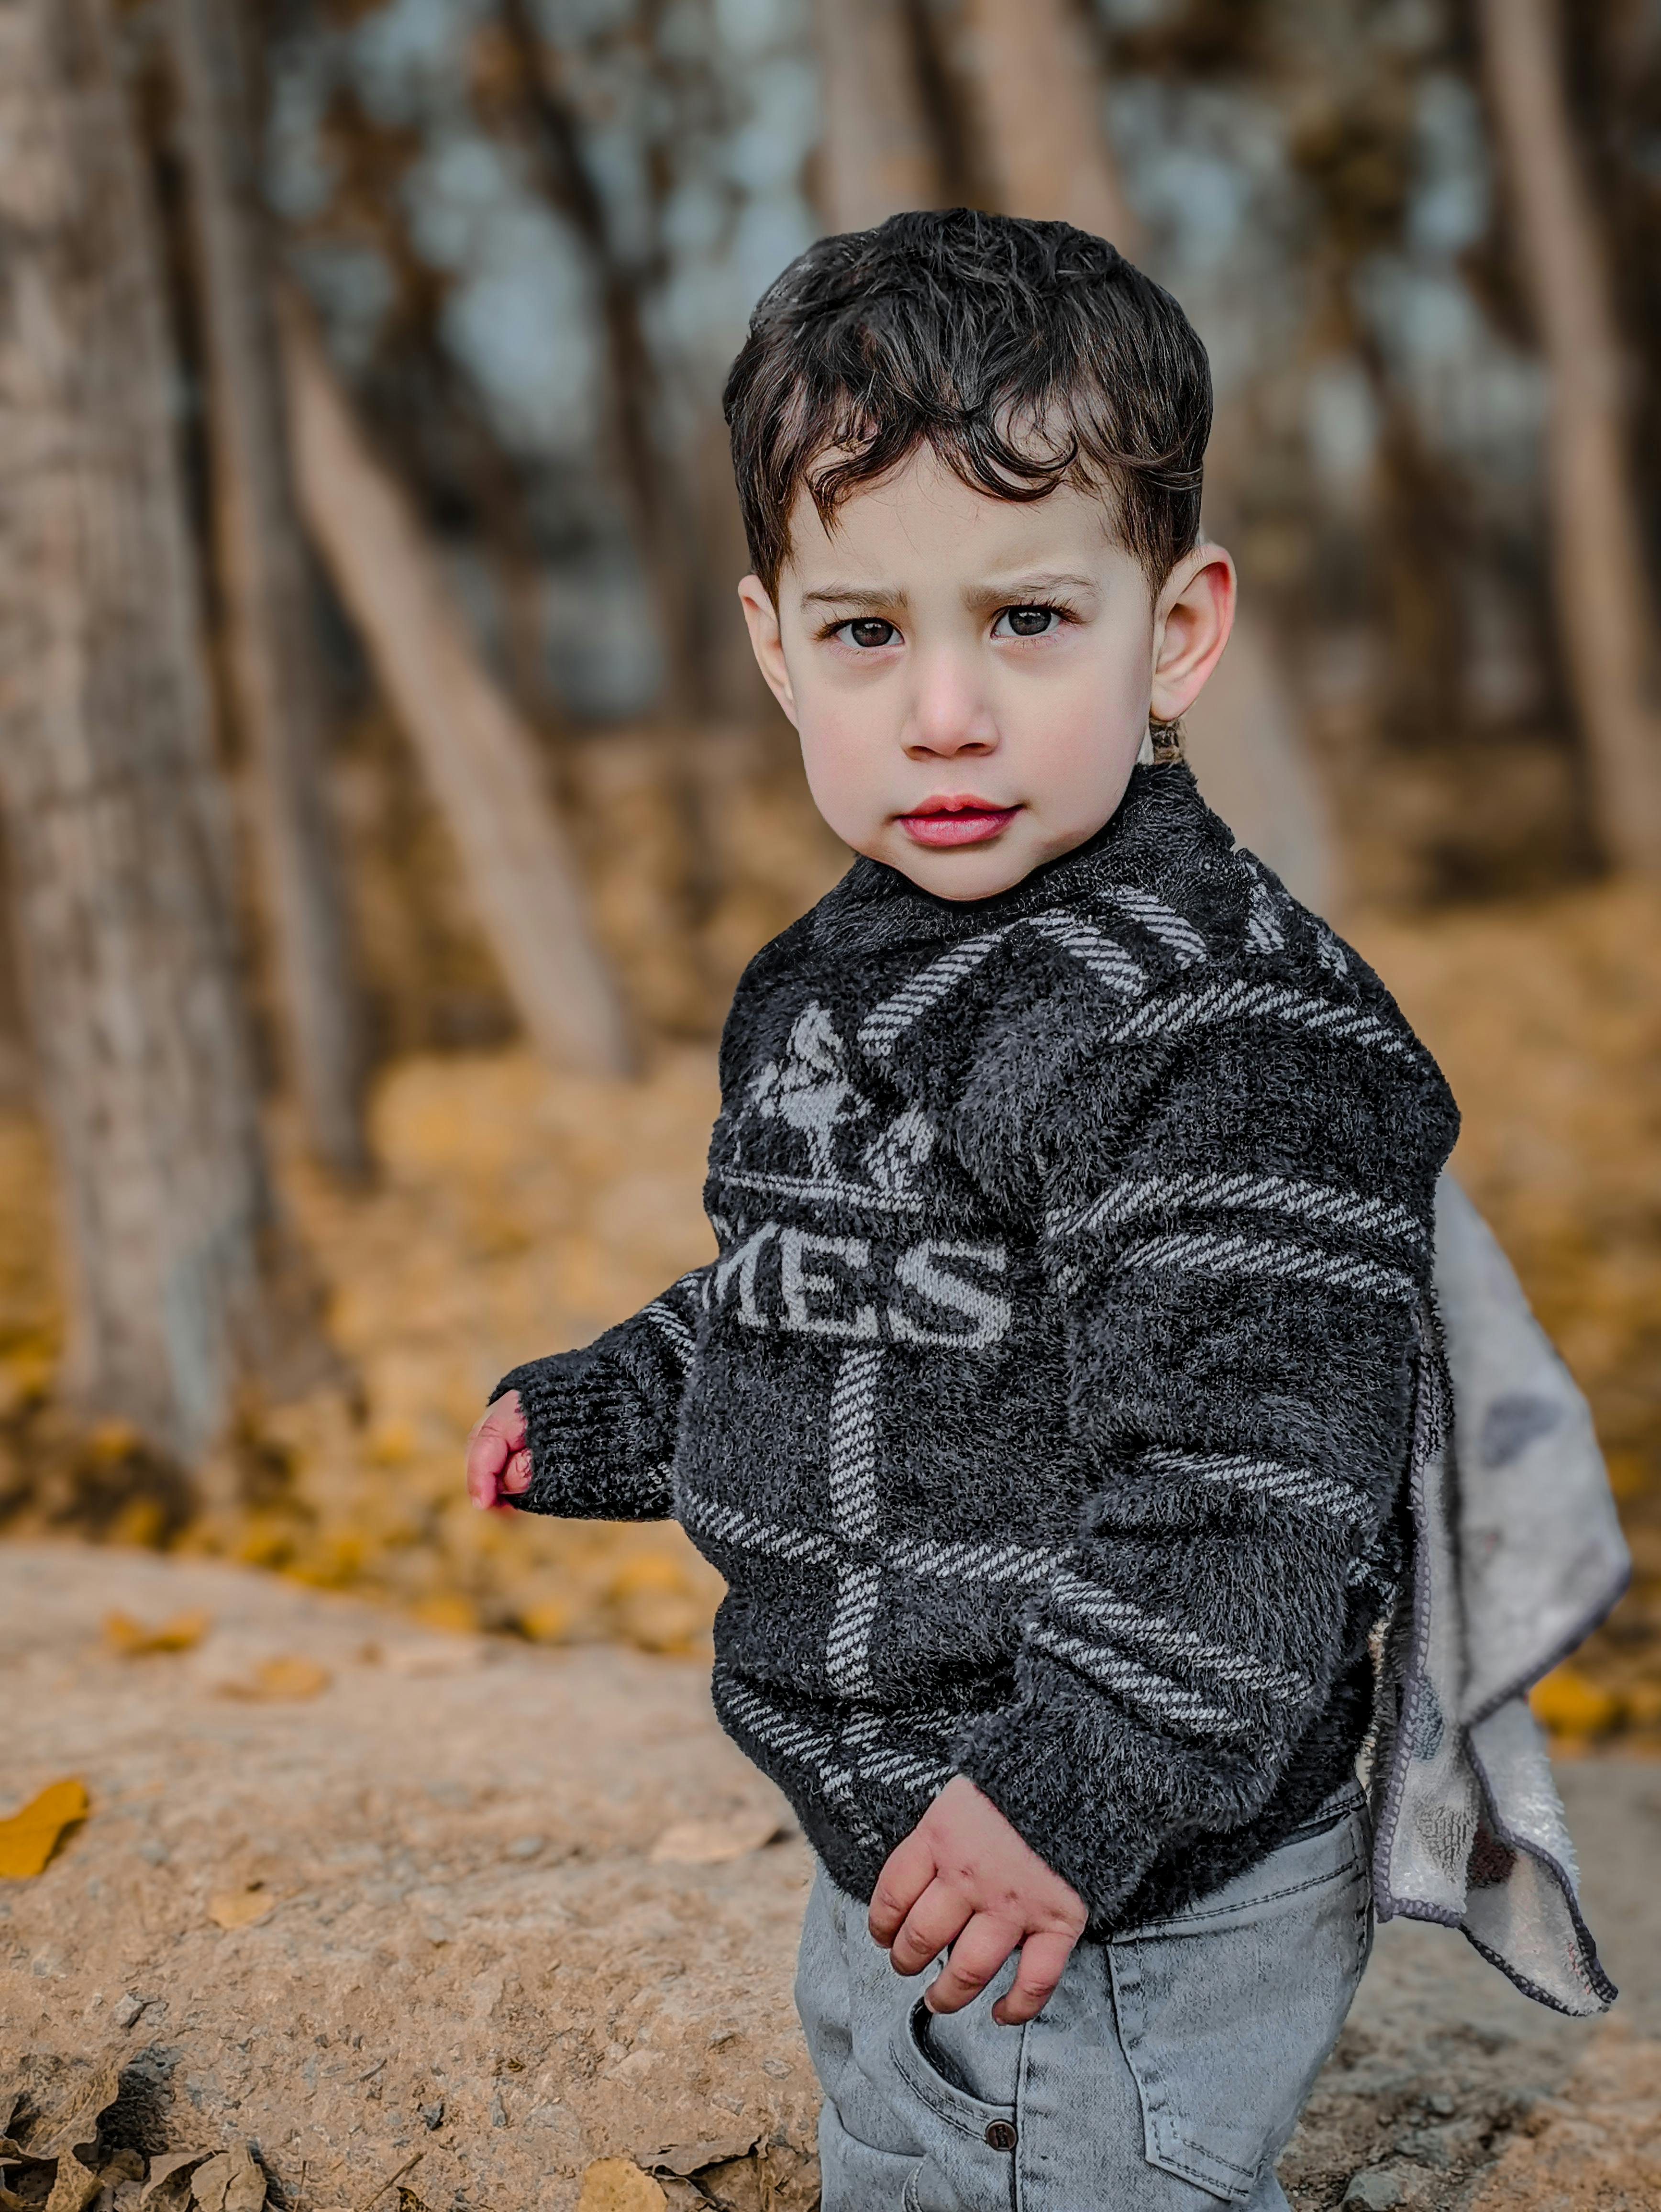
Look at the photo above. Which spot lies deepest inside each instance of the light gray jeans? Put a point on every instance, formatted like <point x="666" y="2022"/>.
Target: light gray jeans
<point x="1165" y="2074"/>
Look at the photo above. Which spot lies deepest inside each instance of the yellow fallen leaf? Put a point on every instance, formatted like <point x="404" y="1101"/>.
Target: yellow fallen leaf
<point x="711" y="1843"/>
<point x="30" y="1835"/>
<point x="1568" y="1704"/>
<point x="132" y="1640"/>
<point x="112" y="1440"/>
<point x="274" y="1679"/>
<point x="241" y="1908"/>
<point x="647" y="1571"/>
<point x="617" y="2184"/>
<point x="547" y="1621"/>
<point x="449" y="1610"/>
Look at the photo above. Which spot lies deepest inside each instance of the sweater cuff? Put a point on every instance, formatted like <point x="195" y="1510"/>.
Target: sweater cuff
<point x="587" y="1435"/>
<point x="1053" y="1788"/>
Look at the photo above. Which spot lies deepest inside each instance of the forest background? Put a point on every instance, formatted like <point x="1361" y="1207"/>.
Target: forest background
<point x="389" y="802"/>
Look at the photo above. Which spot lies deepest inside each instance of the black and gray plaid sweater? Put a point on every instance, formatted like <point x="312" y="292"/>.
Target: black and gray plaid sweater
<point x="1047" y="1408"/>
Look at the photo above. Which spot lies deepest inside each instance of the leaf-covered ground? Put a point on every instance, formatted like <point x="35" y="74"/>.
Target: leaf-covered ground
<point x="518" y="1212"/>
<point x="343" y="1908"/>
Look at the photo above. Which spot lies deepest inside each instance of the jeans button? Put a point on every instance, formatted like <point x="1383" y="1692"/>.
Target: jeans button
<point x="1000" y="2135"/>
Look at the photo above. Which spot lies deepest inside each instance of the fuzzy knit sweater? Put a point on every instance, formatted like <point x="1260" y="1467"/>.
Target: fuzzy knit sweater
<point x="1047" y="1408"/>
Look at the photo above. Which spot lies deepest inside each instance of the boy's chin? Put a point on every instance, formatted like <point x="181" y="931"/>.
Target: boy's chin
<point x="972" y="871"/>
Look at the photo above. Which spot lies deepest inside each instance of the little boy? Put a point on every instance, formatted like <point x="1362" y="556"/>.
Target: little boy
<point x="1047" y="1407"/>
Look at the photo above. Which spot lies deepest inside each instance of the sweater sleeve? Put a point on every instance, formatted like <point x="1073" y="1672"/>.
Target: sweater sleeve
<point x="601" y="1422"/>
<point x="1241" y="1262"/>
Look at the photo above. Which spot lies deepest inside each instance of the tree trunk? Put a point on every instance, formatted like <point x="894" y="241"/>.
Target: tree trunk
<point x="877" y="156"/>
<point x="116" y="823"/>
<point x="479" y="758"/>
<point x="1038" y="91"/>
<point x="1603" y="603"/>
<point x="262" y="566"/>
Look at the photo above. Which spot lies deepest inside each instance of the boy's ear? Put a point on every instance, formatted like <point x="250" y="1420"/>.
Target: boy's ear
<point x="762" y="617"/>
<point x="1192" y="618"/>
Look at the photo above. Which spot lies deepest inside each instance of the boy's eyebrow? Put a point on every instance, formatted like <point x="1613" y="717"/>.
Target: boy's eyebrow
<point x="854" y="595"/>
<point x="1032" y="580"/>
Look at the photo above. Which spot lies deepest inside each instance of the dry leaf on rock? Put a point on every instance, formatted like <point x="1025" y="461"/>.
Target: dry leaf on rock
<point x="74" y="2126"/>
<point x="74" y="2189"/>
<point x="616" y="2184"/>
<point x="132" y="1640"/>
<point x="711" y="1843"/>
<point x="233" y="2182"/>
<point x="241" y="1908"/>
<point x="276" y="1679"/>
<point x="172" y="2166"/>
<point x="30" y="1835"/>
<point x="684" y="2159"/>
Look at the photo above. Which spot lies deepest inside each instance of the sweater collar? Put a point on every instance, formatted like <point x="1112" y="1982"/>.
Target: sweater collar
<point x="1160" y="833"/>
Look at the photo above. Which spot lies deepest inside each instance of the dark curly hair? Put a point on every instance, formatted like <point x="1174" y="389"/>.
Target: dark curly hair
<point x="1023" y="354"/>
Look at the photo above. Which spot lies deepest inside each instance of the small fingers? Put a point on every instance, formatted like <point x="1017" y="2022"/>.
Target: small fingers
<point x="507" y="1418"/>
<point x="486" y="1456"/>
<point x="939" y="1917"/>
<point x="976" y="1955"/>
<point x="498" y="1458"/>
<point x="1043" y="1961"/>
<point x="907" y="1872"/>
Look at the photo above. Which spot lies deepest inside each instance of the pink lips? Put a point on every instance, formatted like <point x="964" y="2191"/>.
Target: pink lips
<point x="963" y="820"/>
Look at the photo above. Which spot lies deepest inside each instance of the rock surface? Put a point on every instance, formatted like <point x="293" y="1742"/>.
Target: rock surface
<point x="511" y="1910"/>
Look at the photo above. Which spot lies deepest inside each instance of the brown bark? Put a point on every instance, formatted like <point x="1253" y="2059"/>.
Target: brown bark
<point x="1605" y="605"/>
<point x="1036" y="90"/>
<point x="262" y="572"/>
<point x="877" y="156"/>
<point x="479" y="758"/>
<point x="116" y="823"/>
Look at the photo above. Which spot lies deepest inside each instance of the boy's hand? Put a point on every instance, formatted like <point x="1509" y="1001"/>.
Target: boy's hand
<point x="498" y="1457"/>
<point x="965" y="1877"/>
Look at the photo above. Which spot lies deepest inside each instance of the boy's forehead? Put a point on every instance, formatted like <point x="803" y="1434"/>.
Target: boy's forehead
<point x="922" y="520"/>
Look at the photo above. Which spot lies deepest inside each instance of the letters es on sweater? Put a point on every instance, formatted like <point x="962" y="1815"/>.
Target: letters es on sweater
<point x="1048" y="1407"/>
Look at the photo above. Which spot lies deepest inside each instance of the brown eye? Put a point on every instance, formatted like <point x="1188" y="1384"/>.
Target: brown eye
<point x="1025" y="622"/>
<point x="869" y="632"/>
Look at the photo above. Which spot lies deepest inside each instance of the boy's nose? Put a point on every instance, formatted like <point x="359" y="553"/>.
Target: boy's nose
<point x="950" y="713"/>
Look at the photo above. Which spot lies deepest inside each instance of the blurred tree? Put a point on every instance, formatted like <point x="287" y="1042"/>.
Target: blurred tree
<point x="270" y="621"/>
<point x="182" y="1281"/>
<point x="480" y="760"/>
<point x="1605" y="608"/>
<point x="649" y="471"/>
<point x="877" y="153"/>
<point x="1037" y="87"/>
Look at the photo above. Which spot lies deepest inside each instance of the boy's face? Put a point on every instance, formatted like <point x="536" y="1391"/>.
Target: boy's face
<point x="971" y="677"/>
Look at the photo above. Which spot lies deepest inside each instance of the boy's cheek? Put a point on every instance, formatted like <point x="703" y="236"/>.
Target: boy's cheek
<point x="848" y="780"/>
